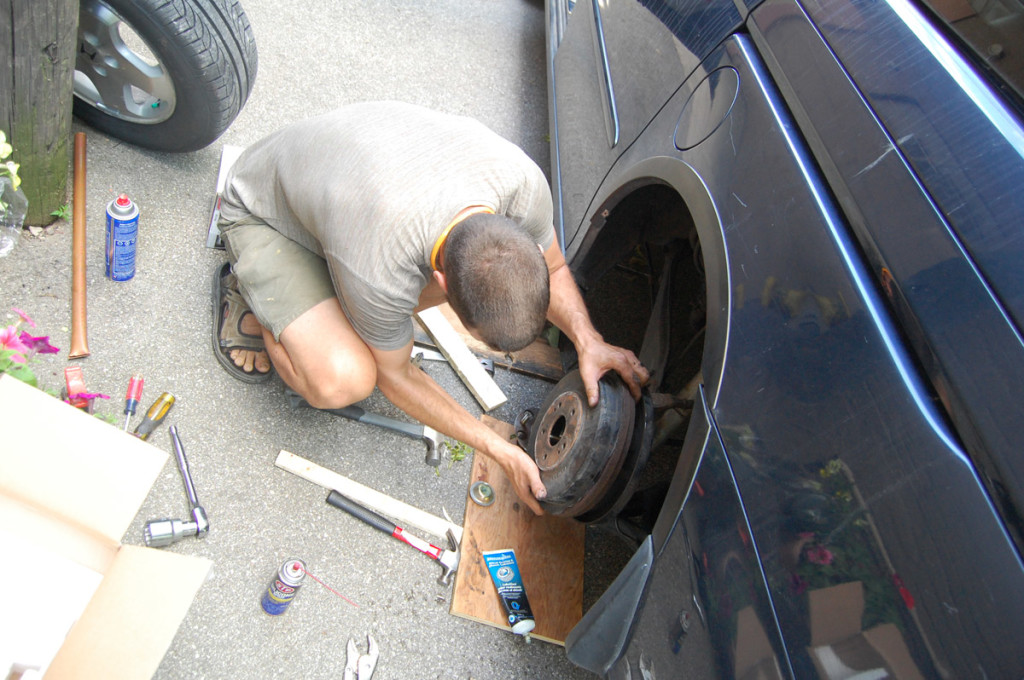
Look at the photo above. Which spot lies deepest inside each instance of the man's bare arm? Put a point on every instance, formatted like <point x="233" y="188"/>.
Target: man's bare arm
<point x="567" y="311"/>
<point x="412" y="390"/>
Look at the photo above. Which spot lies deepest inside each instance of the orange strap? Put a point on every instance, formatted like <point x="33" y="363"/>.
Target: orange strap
<point x="472" y="210"/>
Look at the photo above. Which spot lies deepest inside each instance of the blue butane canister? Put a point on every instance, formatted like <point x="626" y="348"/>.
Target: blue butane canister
<point x="122" y="233"/>
<point x="283" y="587"/>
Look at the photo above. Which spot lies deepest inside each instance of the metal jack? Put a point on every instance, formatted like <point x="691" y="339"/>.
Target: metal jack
<point x="161" y="532"/>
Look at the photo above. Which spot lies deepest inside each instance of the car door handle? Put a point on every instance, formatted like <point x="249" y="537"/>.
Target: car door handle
<point x="612" y="119"/>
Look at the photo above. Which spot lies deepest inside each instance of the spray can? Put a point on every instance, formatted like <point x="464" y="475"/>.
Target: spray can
<point x="122" y="233"/>
<point x="283" y="588"/>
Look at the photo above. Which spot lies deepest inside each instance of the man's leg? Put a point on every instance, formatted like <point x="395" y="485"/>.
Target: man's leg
<point x="306" y="335"/>
<point x="322" y="358"/>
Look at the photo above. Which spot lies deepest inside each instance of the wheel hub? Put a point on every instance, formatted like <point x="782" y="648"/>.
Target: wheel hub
<point x="562" y="425"/>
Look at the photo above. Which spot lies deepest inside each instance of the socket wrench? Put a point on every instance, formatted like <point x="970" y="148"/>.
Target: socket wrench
<point x="162" y="532"/>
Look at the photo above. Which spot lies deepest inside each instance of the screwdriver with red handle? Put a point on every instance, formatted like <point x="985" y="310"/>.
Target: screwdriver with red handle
<point x="131" y="398"/>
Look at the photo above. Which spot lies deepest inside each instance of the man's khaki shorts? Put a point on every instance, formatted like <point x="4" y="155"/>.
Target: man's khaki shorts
<point x="278" y="277"/>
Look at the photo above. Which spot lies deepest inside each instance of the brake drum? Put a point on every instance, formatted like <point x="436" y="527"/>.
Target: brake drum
<point x="580" y="450"/>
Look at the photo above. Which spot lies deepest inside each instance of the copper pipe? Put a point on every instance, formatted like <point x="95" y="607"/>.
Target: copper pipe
<point x="79" y="343"/>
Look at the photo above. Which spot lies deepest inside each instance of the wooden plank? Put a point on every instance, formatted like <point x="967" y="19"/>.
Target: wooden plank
<point x="549" y="550"/>
<point x="483" y="387"/>
<point x="407" y="516"/>
<point x="36" y="91"/>
<point x="538" y="359"/>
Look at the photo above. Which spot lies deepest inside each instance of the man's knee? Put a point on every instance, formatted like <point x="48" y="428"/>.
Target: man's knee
<point x="340" y="381"/>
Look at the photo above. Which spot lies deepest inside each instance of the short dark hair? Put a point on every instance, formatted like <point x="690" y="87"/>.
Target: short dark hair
<point x="497" y="281"/>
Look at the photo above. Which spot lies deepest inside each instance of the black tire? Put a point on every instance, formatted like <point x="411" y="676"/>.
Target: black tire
<point x="205" y="67"/>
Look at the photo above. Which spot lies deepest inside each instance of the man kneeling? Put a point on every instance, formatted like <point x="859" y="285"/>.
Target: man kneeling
<point x="338" y="228"/>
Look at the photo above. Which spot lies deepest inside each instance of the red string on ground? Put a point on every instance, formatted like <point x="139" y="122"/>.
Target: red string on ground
<point x="305" y="571"/>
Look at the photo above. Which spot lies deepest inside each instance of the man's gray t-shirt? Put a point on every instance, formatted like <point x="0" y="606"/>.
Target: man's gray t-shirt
<point x="371" y="187"/>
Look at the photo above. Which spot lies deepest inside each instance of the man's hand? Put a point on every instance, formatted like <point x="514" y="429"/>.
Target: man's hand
<point x="598" y="357"/>
<point x="413" y="391"/>
<point x="524" y="475"/>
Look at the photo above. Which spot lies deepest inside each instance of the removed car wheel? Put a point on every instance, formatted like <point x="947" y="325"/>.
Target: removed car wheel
<point x="168" y="76"/>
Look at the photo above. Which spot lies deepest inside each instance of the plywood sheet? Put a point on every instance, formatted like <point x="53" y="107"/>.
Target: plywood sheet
<point x="538" y="359"/>
<point x="549" y="550"/>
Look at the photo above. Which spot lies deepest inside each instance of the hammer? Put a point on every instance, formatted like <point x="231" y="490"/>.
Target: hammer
<point x="428" y="435"/>
<point x="449" y="558"/>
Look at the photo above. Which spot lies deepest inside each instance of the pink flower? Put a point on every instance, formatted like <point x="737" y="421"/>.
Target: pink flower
<point x="9" y="341"/>
<point x="88" y="395"/>
<point x="40" y="345"/>
<point x="818" y="554"/>
<point x="25" y="317"/>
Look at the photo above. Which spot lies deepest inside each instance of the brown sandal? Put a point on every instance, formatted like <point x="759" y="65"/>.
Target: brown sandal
<point x="229" y="310"/>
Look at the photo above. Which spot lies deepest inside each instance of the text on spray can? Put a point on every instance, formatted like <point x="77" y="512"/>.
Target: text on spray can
<point x="122" y="234"/>
<point x="282" y="589"/>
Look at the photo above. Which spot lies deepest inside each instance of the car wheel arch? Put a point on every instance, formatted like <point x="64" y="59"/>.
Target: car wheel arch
<point x="613" y="221"/>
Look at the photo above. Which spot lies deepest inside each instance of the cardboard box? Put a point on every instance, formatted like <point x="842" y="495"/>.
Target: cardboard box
<point x="70" y="486"/>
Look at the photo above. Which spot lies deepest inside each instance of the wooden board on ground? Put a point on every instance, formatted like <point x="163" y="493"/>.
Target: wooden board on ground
<point x="401" y="513"/>
<point x="451" y="344"/>
<point x="549" y="551"/>
<point x="538" y="359"/>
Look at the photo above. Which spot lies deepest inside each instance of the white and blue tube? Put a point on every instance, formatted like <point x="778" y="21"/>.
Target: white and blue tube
<point x="505" y="574"/>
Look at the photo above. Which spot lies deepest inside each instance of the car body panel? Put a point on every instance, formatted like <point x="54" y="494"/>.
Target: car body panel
<point x="939" y="219"/>
<point x="859" y="495"/>
<point x="641" y="76"/>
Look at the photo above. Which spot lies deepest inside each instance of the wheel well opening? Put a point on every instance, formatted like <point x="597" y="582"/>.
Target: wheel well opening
<point x="646" y="237"/>
<point x="649" y="234"/>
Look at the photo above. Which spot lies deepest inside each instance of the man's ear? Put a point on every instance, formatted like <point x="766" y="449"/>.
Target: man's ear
<point x="441" y="281"/>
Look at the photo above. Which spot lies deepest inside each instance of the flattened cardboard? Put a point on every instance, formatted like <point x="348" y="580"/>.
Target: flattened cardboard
<point x="75" y="466"/>
<point x="73" y="484"/>
<point x="128" y="625"/>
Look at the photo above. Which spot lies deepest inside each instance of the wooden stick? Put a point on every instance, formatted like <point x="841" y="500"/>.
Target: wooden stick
<point x="402" y="513"/>
<point x="79" y="341"/>
<point x="483" y="387"/>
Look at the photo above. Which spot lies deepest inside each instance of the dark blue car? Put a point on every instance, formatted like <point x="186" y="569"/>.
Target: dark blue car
<point x="807" y="218"/>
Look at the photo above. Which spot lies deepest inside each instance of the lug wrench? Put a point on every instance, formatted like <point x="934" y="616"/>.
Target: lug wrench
<point x="428" y="435"/>
<point x="161" y="532"/>
<point x="449" y="558"/>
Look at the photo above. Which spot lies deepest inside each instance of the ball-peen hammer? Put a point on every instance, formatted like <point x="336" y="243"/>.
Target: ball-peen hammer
<point x="449" y="558"/>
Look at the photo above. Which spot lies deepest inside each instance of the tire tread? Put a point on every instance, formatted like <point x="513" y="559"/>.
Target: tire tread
<point x="215" y="39"/>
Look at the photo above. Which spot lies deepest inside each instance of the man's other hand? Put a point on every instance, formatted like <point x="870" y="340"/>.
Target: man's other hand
<point x="599" y="357"/>
<point x="525" y="477"/>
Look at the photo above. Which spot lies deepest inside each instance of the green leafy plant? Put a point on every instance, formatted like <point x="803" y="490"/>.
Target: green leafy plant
<point x="457" y="452"/>
<point x="63" y="212"/>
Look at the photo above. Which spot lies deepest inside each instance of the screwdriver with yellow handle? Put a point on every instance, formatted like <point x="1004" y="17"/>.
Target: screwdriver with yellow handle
<point x="155" y="415"/>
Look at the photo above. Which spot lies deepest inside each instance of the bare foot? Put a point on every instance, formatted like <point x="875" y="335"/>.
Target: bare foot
<point x="239" y="340"/>
<point x="248" y="359"/>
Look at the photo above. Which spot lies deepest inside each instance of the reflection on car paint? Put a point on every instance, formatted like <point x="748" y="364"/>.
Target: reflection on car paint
<point x="859" y="221"/>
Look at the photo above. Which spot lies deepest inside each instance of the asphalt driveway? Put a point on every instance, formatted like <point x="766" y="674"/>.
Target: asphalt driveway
<point x="483" y="59"/>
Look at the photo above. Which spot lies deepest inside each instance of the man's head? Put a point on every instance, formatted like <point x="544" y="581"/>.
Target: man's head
<point x="497" y="281"/>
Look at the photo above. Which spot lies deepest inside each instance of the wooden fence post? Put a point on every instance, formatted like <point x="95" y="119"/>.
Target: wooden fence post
<point x="38" y="42"/>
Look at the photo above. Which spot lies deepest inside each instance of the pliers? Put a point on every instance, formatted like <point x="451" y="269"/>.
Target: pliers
<point x="360" y="666"/>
